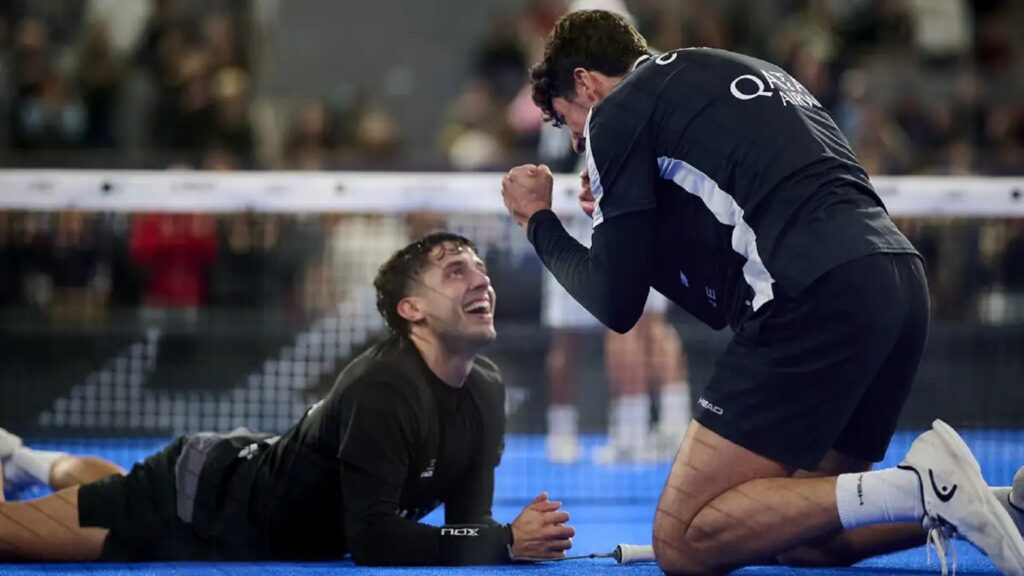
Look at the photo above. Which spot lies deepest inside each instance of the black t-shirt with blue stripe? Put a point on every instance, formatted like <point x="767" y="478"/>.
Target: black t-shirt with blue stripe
<point x="706" y="159"/>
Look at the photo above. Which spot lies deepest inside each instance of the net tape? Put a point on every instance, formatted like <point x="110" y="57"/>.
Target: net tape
<point x="323" y="192"/>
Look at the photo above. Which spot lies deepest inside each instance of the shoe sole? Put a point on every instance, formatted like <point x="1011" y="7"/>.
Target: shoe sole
<point x="993" y="510"/>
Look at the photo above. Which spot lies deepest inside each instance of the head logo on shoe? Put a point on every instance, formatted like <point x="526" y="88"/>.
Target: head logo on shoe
<point x="944" y="494"/>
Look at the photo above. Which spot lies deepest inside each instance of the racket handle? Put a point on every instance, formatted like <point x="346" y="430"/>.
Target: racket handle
<point x="633" y="553"/>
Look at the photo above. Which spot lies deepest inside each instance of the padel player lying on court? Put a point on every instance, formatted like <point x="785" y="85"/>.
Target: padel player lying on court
<point x="416" y="421"/>
<point x="708" y="151"/>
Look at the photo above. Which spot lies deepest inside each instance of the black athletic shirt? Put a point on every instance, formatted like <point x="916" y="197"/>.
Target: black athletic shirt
<point x="707" y="150"/>
<point x="388" y="444"/>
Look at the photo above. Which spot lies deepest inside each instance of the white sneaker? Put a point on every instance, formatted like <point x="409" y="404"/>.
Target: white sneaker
<point x="562" y="448"/>
<point x="958" y="502"/>
<point x="8" y="444"/>
<point x="612" y="453"/>
<point x="666" y="444"/>
<point x="1016" y="497"/>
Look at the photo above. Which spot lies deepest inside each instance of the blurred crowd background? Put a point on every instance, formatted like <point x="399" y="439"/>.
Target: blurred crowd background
<point x="918" y="86"/>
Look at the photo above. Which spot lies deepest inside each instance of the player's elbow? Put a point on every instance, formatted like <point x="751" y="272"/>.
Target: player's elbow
<point x="623" y="298"/>
<point x="622" y="319"/>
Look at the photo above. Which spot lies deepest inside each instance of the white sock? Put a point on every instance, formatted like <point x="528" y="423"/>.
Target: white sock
<point x="674" y="414"/>
<point x="26" y="467"/>
<point x="563" y="420"/>
<point x="630" y="420"/>
<point x="1016" y="509"/>
<point x="879" y="497"/>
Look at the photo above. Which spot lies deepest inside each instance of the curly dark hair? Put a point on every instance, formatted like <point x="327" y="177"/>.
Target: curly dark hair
<point x="395" y="277"/>
<point x="595" y="40"/>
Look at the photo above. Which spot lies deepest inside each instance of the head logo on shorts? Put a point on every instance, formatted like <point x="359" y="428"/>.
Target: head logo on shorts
<point x="709" y="406"/>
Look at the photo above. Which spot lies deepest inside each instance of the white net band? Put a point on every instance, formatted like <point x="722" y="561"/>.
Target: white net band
<point x="305" y="192"/>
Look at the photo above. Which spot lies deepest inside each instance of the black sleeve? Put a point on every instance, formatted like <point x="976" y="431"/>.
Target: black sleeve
<point x="611" y="279"/>
<point x="379" y="428"/>
<point x="473" y="497"/>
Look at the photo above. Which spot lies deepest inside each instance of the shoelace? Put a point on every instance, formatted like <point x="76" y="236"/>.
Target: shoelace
<point x="941" y="536"/>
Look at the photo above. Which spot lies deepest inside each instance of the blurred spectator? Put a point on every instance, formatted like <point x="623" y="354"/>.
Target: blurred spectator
<point x="222" y="42"/>
<point x="232" y="126"/>
<point x="247" y="275"/>
<point x="376" y="138"/>
<point x="23" y="236"/>
<point x="264" y="261"/>
<point x="181" y="77"/>
<point x="53" y="119"/>
<point x="473" y="139"/>
<point x="78" y="271"/>
<point x="99" y="78"/>
<point x="311" y="135"/>
<point x="175" y="253"/>
<point x="163" y="37"/>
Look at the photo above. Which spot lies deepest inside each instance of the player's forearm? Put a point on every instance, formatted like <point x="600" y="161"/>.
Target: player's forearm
<point x="611" y="279"/>
<point x="394" y="541"/>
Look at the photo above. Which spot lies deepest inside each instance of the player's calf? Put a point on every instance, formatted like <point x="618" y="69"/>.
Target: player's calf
<point x="47" y="530"/>
<point x="73" y="470"/>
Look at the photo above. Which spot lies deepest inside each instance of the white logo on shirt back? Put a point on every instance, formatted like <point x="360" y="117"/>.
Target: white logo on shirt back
<point x="790" y="91"/>
<point x="666" y="58"/>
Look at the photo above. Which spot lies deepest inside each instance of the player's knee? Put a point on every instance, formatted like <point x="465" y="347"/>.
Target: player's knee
<point x="684" y="548"/>
<point x="671" y="561"/>
<point x="672" y="547"/>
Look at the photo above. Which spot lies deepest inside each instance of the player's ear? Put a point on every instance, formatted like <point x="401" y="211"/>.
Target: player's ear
<point x="583" y="81"/>
<point x="410" y="309"/>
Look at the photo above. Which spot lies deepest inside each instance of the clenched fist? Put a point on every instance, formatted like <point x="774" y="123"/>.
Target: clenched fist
<point x="526" y="190"/>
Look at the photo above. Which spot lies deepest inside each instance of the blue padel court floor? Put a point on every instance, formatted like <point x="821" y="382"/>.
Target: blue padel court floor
<point x="609" y="505"/>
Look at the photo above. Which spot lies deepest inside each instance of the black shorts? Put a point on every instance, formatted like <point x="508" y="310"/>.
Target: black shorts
<point x="827" y="369"/>
<point x="153" y="514"/>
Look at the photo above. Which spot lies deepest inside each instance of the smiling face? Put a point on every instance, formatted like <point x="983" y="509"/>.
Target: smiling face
<point x="453" y="298"/>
